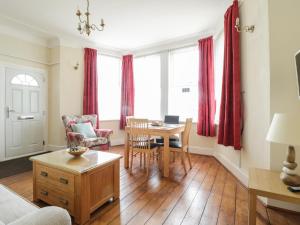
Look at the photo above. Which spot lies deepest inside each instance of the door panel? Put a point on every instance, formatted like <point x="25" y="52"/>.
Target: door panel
<point x="24" y="120"/>
<point x="17" y="100"/>
<point x="34" y="101"/>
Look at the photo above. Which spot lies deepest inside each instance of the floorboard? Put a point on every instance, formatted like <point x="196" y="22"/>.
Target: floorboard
<point x="207" y="195"/>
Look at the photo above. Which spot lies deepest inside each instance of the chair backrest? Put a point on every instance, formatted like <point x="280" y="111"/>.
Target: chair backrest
<point x="186" y="132"/>
<point x="70" y="120"/>
<point x="128" y="118"/>
<point x="171" y="119"/>
<point x="139" y="135"/>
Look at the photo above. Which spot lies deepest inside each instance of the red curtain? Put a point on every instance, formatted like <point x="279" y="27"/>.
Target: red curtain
<point x="206" y="86"/>
<point x="127" y="91"/>
<point x="230" y="123"/>
<point x="90" y="93"/>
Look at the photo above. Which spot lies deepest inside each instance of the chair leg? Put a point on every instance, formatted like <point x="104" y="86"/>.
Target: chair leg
<point x="160" y="155"/>
<point x="189" y="157"/>
<point x="174" y="155"/>
<point x="183" y="160"/>
<point x="131" y="161"/>
<point x="144" y="155"/>
<point x="148" y="162"/>
<point x="141" y="159"/>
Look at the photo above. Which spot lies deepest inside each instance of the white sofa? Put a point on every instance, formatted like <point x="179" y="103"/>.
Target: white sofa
<point x="14" y="210"/>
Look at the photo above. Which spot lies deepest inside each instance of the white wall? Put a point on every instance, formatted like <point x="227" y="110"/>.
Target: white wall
<point x="284" y="43"/>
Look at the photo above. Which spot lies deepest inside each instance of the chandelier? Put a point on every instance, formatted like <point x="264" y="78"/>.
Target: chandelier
<point x="84" y="25"/>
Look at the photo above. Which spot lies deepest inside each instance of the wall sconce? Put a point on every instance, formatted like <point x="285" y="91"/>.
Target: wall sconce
<point x="240" y="28"/>
<point x="76" y="66"/>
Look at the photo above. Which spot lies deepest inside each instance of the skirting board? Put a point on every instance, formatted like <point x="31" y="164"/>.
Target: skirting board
<point x="235" y="170"/>
<point x="115" y="142"/>
<point x="52" y="148"/>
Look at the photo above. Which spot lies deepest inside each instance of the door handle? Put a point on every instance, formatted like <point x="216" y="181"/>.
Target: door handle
<point x="63" y="180"/>
<point x="10" y="111"/>
<point x="63" y="201"/>
<point x="44" y="193"/>
<point x="44" y="174"/>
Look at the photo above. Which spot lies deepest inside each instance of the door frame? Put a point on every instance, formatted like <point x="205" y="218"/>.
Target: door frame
<point x="44" y="73"/>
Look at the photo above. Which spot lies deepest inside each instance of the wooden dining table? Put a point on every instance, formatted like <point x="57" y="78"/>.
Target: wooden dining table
<point x="165" y="131"/>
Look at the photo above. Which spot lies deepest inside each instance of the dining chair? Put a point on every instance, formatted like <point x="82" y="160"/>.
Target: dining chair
<point x="169" y="119"/>
<point x="140" y="141"/>
<point x="182" y="146"/>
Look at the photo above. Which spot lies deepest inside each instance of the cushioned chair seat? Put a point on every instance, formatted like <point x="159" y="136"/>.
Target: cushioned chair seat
<point x="172" y="138"/>
<point x="91" y="142"/>
<point x="172" y="144"/>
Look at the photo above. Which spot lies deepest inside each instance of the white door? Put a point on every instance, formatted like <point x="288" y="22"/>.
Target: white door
<point x="24" y="116"/>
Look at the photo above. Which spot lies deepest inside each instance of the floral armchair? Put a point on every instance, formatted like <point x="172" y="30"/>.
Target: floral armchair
<point x="101" y="142"/>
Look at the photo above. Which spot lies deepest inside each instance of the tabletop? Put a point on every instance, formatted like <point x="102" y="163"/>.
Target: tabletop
<point x="268" y="183"/>
<point x="88" y="161"/>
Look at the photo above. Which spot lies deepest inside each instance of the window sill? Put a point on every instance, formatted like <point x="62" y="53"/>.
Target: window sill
<point x="112" y="120"/>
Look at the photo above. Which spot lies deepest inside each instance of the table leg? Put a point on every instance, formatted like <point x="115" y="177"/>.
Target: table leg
<point x="126" y="153"/>
<point x="117" y="179"/>
<point x="252" y="207"/>
<point x="34" y="181"/>
<point x="166" y="157"/>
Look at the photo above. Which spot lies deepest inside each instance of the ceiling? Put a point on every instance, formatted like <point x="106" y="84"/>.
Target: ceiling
<point x="130" y="24"/>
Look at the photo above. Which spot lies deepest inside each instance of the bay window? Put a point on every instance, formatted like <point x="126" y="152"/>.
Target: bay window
<point x="109" y="87"/>
<point x="147" y="77"/>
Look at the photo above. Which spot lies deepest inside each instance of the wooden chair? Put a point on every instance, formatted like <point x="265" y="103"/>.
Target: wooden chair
<point x="140" y="141"/>
<point x="182" y="146"/>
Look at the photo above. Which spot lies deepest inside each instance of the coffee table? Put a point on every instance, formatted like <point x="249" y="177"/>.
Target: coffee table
<point x="78" y="184"/>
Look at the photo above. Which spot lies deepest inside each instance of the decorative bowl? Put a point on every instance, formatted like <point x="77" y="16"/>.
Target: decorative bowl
<point x="156" y="123"/>
<point x="77" y="151"/>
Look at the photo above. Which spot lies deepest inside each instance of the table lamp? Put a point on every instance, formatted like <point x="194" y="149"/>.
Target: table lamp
<point x="285" y="129"/>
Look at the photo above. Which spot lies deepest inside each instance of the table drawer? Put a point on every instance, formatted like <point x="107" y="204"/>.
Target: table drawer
<point x="59" y="179"/>
<point x="55" y="198"/>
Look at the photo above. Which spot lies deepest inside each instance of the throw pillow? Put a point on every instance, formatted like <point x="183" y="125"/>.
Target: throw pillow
<point x="86" y="129"/>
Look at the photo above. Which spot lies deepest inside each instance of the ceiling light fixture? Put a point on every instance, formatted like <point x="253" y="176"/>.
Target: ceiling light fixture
<point x="84" y="25"/>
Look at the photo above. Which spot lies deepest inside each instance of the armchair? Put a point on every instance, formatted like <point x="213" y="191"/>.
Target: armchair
<point x="103" y="135"/>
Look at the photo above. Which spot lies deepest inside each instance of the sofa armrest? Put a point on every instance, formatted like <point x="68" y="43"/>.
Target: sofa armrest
<point x="51" y="215"/>
<point x="103" y="132"/>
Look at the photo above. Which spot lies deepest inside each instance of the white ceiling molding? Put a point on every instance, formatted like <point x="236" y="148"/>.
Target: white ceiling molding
<point x="135" y="26"/>
<point x="21" y="31"/>
<point x="132" y="24"/>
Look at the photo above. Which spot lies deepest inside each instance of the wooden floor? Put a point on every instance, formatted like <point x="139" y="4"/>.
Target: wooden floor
<point x="208" y="195"/>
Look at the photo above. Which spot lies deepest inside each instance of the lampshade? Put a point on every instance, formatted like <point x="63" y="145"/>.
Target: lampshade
<point x="285" y="129"/>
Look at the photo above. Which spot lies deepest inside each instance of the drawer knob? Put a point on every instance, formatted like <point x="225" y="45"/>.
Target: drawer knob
<point x="63" y="180"/>
<point x="44" y="193"/>
<point x="44" y="174"/>
<point x="63" y="201"/>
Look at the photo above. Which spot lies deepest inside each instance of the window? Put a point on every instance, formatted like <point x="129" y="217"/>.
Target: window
<point x="183" y="83"/>
<point x="25" y="80"/>
<point x="147" y="87"/>
<point x="109" y="87"/>
<point x="218" y="61"/>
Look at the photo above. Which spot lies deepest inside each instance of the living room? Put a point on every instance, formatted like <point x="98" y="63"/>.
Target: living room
<point x="161" y="41"/>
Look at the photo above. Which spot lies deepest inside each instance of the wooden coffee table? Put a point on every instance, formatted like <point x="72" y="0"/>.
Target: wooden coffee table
<point x="78" y="184"/>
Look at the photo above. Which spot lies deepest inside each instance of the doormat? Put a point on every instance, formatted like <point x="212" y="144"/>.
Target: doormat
<point x="16" y="166"/>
